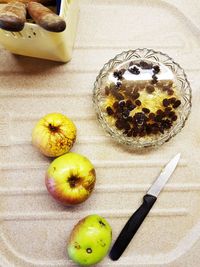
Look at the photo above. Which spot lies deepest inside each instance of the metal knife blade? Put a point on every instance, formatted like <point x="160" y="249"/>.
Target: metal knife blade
<point x="164" y="176"/>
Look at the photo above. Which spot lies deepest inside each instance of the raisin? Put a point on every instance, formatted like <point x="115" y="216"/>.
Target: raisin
<point x="122" y="104"/>
<point x="116" y="105"/>
<point x="145" y="65"/>
<point x="174" y="118"/>
<point x="177" y="104"/>
<point x="118" y="74"/>
<point x="131" y="64"/>
<point x="155" y="78"/>
<point x="158" y="118"/>
<point x="138" y="102"/>
<point x="128" y="103"/>
<point x="150" y="89"/>
<point x="107" y="91"/>
<point x="155" y="128"/>
<point x="126" y="126"/>
<point x="172" y="100"/>
<point x="119" y="96"/>
<point x="129" y="134"/>
<point x="136" y="89"/>
<point x="118" y="84"/>
<point x="166" y="102"/>
<point x="118" y="115"/>
<point x="166" y="124"/>
<point x="123" y="71"/>
<point x="119" y="124"/>
<point x="156" y="69"/>
<point x="134" y="133"/>
<point x="135" y="95"/>
<point x="115" y="74"/>
<point x="154" y="81"/>
<point x="125" y="114"/>
<point x="125" y="132"/>
<point x="148" y="129"/>
<point x="167" y="111"/>
<point x="140" y="118"/>
<point x="109" y="111"/>
<point x="166" y="88"/>
<point x="171" y="114"/>
<point x="159" y="112"/>
<point x="170" y="83"/>
<point x="131" y="107"/>
<point x="161" y="129"/>
<point x="146" y="110"/>
<point x="134" y="70"/>
<point x="129" y="119"/>
<point x="170" y="92"/>
<point x="152" y="116"/>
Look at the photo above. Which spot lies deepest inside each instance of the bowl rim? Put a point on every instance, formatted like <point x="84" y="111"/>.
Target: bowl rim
<point x="119" y="59"/>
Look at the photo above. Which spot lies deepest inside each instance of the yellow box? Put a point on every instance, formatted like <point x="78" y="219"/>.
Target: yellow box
<point x="34" y="41"/>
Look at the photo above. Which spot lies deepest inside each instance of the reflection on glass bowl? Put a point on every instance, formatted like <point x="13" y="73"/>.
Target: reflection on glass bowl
<point x="142" y="98"/>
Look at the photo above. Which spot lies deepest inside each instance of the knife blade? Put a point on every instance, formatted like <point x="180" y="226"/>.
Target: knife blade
<point x="140" y="214"/>
<point x="165" y="174"/>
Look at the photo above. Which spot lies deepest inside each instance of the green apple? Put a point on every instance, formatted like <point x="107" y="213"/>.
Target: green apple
<point x="70" y="178"/>
<point x="90" y="240"/>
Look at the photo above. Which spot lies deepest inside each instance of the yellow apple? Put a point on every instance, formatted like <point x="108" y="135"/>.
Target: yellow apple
<point x="90" y="240"/>
<point x="70" y="178"/>
<point x="54" y="135"/>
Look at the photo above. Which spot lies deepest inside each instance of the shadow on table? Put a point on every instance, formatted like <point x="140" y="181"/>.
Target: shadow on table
<point x="34" y="66"/>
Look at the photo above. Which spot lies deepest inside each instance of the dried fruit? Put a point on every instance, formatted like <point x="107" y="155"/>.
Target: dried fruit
<point x="138" y="102"/>
<point x="133" y="111"/>
<point x="166" y="102"/>
<point x="177" y="104"/>
<point x="150" y="89"/>
<point x="109" y="111"/>
<point x="146" y="110"/>
<point x="156" y="69"/>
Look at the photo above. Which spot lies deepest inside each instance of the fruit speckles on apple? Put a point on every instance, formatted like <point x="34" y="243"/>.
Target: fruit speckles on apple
<point x="89" y="240"/>
<point x="70" y="178"/>
<point x="92" y="172"/>
<point x="102" y="243"/>
<point x="102" y="223"/>
<point x="54" y="134"/>
<point x="76" y="245"/>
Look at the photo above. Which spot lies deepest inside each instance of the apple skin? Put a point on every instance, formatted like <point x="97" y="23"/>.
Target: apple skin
<point x="70" y="178"/>
<point x="54" y="134"/>
<point x="90" y="240"/>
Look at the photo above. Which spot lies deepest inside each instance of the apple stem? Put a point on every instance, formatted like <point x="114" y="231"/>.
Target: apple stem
<point x="53" y="128"/>
<point x="73" y="181"/>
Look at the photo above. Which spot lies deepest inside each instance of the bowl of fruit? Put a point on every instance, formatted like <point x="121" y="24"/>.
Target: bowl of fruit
<point x="142" y="98"/>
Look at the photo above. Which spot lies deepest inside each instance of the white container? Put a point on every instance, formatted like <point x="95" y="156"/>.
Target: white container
<point x="34" y="41"/>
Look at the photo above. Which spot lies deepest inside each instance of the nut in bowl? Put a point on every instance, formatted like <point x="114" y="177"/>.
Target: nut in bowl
<point x="142" y="98"/>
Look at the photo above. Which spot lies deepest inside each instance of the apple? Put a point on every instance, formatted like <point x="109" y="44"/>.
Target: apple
<point x="54" y="134"/>
<point x="70" y="178"/>
<point x="90" y="240"/>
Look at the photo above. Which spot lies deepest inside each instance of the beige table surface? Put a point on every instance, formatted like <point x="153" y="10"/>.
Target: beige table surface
<point x="33" y="228"/>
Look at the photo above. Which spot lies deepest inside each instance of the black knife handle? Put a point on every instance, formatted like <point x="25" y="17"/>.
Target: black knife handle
<point x="131" y="227"/>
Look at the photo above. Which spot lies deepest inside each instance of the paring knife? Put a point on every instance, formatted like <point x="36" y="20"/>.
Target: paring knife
<point x="138" y="217"/>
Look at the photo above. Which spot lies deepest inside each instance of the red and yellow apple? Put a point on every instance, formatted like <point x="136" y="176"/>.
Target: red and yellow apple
<point x="54" y="134"/>
<point x="70" y="178"/>
<point x="90" y="240"/>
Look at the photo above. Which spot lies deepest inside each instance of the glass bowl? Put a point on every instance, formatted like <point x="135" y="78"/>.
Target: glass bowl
<point x="142" y="98"/>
